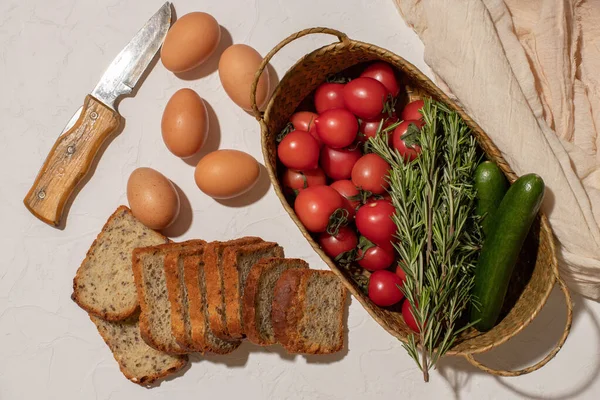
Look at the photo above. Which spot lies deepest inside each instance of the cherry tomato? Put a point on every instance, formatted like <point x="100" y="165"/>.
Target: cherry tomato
<point x="347" y="189"/>
<point x="344" y="241"/>
<point x="329" y="96"/>
<point x="375" y="258"/>
<point x="365" y="97"/>
<point x="338" y="163"/>
<point x="337" y="128"/>
<point x="297" y="181"/>
<point x="374" y="221"/>
<point x="411" y="111"/>
<point x="299" y="151"/>
<point x="383" y="73"/>
<point x="370" y="173"/>
<point x="383" y="288"/>
<point x="305" y="121"/>
<point x="400" y="272"/>
<point x="408" y="152"/>
<point x="368" y="128"/>
<point x="408" y="316"/>
<point x="314" y="206"/>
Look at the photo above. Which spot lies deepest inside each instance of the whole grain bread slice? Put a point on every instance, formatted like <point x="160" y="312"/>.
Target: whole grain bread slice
<point x="314" y="320"/>
<point x="258" y="297"/>
<point x="237" y="262"/>
<point x="215" y="284"/>
<point x="178" y="294"/>
<point x="139" y="362"/>
<point x="202" y="336"/>
<point x="150" y="279"/>
<point x="104" y="284"/>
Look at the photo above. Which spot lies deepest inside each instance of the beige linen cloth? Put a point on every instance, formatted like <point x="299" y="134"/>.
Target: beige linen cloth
<point x="528" y="71"/>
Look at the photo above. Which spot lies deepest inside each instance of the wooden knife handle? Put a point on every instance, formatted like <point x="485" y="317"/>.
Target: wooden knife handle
<point x="70" y="160"/>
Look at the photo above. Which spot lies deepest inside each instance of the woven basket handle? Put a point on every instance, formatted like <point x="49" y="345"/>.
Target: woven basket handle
<point x="550" y="355"/>
<point x="341" y="36"/>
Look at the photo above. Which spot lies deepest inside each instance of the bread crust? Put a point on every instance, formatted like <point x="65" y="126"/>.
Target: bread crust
<point x="214" y="280"/>
<point x="285" y="310"/>
<point x="179" y="361"/>
<point x="106" y="314"/>
<point x="251" y="295"/>
<point x="233" y="305"/>
<point x="145" y="329"/>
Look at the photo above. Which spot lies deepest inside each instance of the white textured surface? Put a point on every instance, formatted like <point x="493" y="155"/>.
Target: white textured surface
<point x="51" y="54"/>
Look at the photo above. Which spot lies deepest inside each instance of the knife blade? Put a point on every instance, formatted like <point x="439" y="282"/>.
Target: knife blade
<point x="71" y="157"/>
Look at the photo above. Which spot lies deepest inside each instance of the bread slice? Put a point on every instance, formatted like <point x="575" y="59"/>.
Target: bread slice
<point x="150" y="279"/>
<point x="258" y="297"/>
<point x="311" y="320"/>
<point x="177" y="292"/>
<point x="139" y="362"/>
<point x="237" y="262"/>
<point x="104" y="284"/>
<point x="215" y="287"/>
<point x="202" y="338"/>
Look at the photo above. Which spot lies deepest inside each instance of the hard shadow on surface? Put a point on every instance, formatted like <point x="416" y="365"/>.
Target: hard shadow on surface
<point x="259" y="190"/>
<point x="212" y="63"/>
<point x="527" y="348"/>
<point x="183" y="222"/>
<point x="213" y="139"/>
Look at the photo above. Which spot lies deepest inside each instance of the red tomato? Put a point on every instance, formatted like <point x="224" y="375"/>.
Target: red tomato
<point x="400" y="272"/>
<point x="338" y="163"/>
<point x="314" y="205"/>
<point x="369" y="128"/>
<point x="370" y="173"/>
<point x="408" y="316"/>
<point x="408" y="152"/>
<point x="297" y="181"/>
<point x="411" y="111"/>
<point x="383" y="73"/>
<point x="329" y="96"/>
<point x="305" y="121"/>
<point x="299" y="151"/>
<point x="376" y="258"/>
<point x="347" y="189"/>
<point x="365" y="97"/>
<point x="374" y="221"/>
<point x="344" y="241"/>
<point x="383" y="288"/>
<point x="337" y="128"/>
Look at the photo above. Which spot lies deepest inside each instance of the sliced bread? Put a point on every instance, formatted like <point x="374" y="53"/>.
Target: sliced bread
<point x="237" y="262"/>
<point x="202" y="336"/>
<point x="258" y="297"/>
<point x="139" y="362"/>
<point x="215" y="287"/>
<point x="150" y="279"/>
<point x="104" y="284"/>
<point x="311" y="320"/>
<point x="177" y="292"/>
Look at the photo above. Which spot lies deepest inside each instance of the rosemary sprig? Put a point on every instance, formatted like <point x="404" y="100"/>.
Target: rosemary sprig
<point x="438" y="233"/>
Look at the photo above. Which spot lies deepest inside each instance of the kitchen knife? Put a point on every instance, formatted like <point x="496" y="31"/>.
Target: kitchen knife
<point x="74" y="152"/>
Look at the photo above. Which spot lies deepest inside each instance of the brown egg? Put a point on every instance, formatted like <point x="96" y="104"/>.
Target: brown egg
<point x="224" y="174"/>
<point x="184" y="123"/>
<point x="237" y="67"/>
<point x="190" y="41"/>
<point x="152" y="198"/>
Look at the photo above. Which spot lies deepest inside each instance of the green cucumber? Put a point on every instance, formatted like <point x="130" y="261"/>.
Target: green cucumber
<point x="501" y="248"/>
<point x="491" y="186"/>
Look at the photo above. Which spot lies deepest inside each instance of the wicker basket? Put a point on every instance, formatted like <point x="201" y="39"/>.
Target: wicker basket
<point x="538" y="271"/>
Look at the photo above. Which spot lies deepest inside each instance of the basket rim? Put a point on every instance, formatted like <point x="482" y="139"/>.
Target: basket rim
<point x="545" y="229"/>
